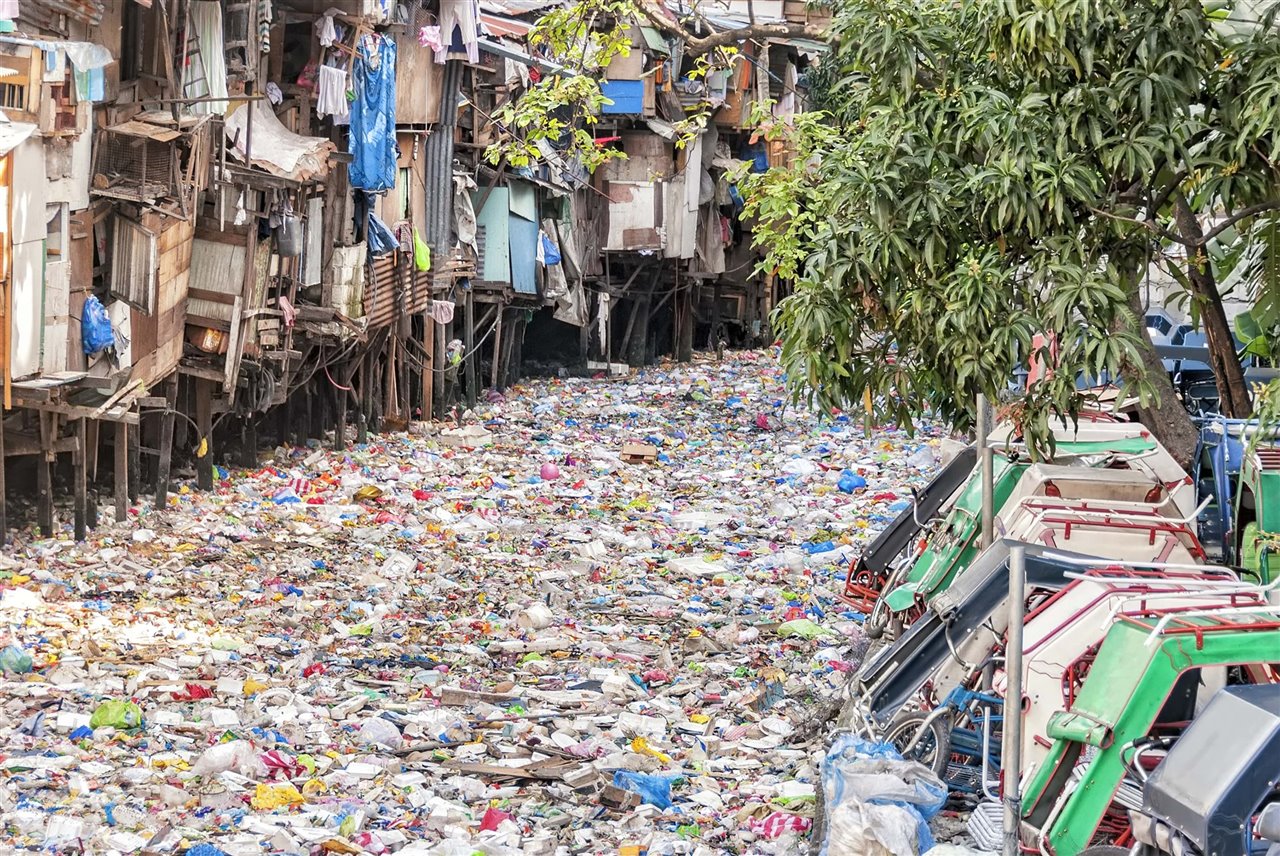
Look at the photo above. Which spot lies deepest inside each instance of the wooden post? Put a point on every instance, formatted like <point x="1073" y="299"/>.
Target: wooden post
<point x="134" y="453"/>
<point x="166" y="444"/>
<point x="584" y="339"/>
<point x="440" y="339"/>
<point x="204" y="426"/>
<point x="121" y="460"/>
<point x="428" y="367"/>
<point x="366" y="381"/>
<point x="716" y="332"/>
<point x="340" y="429"/>
<point x="684" y="318"/>
<point x="248" y="443"/>
<point x="44" y="476"/>
<point x="497" y="349"/>
<point x="79" y="470"/>
<point x="4" y="517"/>
<point x="469" y="346"/>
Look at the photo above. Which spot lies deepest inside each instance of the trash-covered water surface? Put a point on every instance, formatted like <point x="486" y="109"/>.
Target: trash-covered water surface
<point x="601" y="619"/>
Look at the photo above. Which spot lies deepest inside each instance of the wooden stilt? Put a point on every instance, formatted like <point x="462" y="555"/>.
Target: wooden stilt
<point x="517" y="349"/>
<point x="340" y="428"/>
<point x="167" y="419"/>
<point x="684" y="315"/>
<point x="439" y="404"/>
<point x="362" y="416"/>
<point x="249" y="443"/>
<point x="4" y="514"/>
<point x="469" y="346"/>
<point x="284" y="415"/>
<point x="428" y="367"/>
<point x="204" y="425"/>
<point x="44" y="474"/>
<point x="79" y="470"/>
<point x="638" y="336"/>
<point x="121" y="460"/>
<point x="495" y="368"/>
<point x="717" y="334"/>
<point x="134" y="454"/>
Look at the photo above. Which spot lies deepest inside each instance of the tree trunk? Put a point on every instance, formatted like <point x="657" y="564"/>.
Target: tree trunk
<point x="1233" y="393"/>
<point x="1166" y="417"/>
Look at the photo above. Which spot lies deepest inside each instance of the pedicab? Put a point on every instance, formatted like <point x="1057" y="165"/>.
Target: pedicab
<point x="1143" y="683"/>
<point x="1214" y="793"/>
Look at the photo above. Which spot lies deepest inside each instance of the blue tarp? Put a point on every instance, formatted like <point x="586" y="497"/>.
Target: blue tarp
<point x="373" y="115"/>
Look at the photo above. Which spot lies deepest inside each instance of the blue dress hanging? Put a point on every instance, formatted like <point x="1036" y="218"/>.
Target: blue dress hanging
<point x="372" y="141"/>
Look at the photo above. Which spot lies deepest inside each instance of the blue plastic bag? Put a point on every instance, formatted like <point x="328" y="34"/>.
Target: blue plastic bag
<point x="95" y="327"/>
<point x="922" y="795"/>
<point x="850" y="481"/>
<point x="655" y="790"/>
<point x="550" y="252"/>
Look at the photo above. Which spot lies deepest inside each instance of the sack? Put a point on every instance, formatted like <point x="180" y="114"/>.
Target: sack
<point x="421" y="253"/>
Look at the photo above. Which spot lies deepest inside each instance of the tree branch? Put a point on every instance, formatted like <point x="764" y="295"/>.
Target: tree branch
<point x="1149" y="225"/>
<point x="1243" y="213"/>
<point x="696" y="45"/>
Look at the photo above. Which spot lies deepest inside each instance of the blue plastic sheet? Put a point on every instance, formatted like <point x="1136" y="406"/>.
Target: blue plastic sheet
<point x="372" y="141"/>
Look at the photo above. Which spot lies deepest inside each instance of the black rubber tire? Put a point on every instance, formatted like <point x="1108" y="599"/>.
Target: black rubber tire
<point x="933" y="749"/>
<point x="876" y="623"/>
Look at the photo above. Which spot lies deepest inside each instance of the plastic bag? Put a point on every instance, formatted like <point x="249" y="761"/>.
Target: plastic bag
<point x="235" y="755"/>
<point x="14" y="659"/>
<point x="850" y="481"/>
<point x="95" y="327"/>
<point x="550" y="252"/>
<point x="655" y="790"/>
<point x="116" y="714"/>
<point x="859" y="776"/>
<point x="271" y="797"/>
<point x="802" y="627"/>
<point x="421" y="253"/>
<point x="381" y="731"/>
<point x="865" y="829"/>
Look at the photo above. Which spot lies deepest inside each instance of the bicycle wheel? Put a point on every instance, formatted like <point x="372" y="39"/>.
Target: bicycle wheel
<point x="933" y="748"/>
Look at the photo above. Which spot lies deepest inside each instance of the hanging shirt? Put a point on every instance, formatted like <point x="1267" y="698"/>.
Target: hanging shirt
<point x="372" y="140"/>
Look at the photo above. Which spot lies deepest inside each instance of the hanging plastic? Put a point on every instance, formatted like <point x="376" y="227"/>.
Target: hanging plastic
<point x="421" y="253"/>
<point x="95" y="327"/>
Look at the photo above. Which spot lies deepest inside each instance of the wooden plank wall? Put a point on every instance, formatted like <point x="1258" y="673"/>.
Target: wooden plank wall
<point x="158" y="338"/>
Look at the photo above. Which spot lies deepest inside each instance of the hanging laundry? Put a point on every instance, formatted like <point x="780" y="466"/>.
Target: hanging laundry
<point x="429" y="37"/>
<point x="205" y="75"/>
<point x="602" y="316"/>
<point x="265" y="17"/>
<point x="325" y="30"/>
<point x="441" y="311"/>
<point x="381" y="239"/>
<point x="331" y="94"/>
<point x="459" y="30"/>
<point x="274" y="95"/>
<point x="286" y="309"/>
<point x="373" y="114"/>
